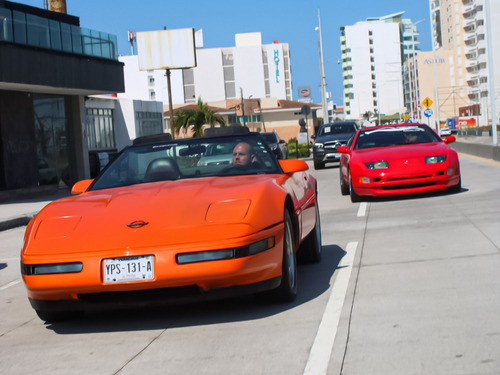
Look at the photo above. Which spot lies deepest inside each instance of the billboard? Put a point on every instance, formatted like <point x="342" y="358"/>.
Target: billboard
<point x="166" y="49"/>
<point x="305" y="94"/>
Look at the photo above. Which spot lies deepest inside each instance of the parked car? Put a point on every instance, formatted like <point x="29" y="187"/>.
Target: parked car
<point x="328" y="138"/>
<point x="155" y="226"/>
<point x="398" y="159"/>
<point x="445" y="131"/>
<point x="277" y="145"/>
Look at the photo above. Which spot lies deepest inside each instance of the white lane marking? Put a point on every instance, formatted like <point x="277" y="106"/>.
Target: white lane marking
<point x="321" y="350"/>
<point x="12" y="283"/>
<point x="362" y="209"/>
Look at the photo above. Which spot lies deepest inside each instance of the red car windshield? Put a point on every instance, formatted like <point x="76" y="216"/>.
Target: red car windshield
<point x="394" y="136"/>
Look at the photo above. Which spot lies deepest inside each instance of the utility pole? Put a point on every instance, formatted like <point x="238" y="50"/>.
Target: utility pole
<point x="324" y="103"/>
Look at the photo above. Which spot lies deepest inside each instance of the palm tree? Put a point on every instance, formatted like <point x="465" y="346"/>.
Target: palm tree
<point x="367" y="115"/>
<point x="194" y="119"/>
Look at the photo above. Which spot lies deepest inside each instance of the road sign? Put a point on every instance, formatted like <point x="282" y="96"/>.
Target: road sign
<point x="428" y="112"/>
<point x="406" y="117"/>
<point x="411" y="120"/>
<point x="427" y="102"/>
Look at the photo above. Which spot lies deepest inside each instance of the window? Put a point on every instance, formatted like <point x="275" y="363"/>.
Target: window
<point x="100" y="129"/>
<point x="228" y="70"/>
<point x="148" y="123"/>
<point x="189" y="90"/>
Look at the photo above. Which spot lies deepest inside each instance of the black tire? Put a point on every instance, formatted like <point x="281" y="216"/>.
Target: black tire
<point x="354" y="197"/>
<point x="287" y="291"/>
<point x="344" y="188"/>
<point x="310" y="250"/>
<point x="319" y="165"/>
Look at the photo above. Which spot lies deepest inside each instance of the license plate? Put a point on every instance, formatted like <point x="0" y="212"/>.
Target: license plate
<point x="118" y="270"/>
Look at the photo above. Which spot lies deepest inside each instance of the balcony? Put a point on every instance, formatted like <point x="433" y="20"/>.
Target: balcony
<point x="36" y="31"/>
<point x="48" y="52"/>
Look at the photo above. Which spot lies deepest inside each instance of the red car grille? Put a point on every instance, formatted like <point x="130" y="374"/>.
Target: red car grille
<point x="409" y="178"/>
<point x="408" y="186"/>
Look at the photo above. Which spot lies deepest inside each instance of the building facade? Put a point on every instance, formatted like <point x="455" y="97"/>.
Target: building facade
<point x="220" y="74"/>
<point x="470" y="36"/>
<point x="372" y="69"/>
<point x="49" y="65"/>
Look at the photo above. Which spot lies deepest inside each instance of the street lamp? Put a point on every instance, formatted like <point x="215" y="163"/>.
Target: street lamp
<point x="322" y="72"/>
<point x="417" y="90"/>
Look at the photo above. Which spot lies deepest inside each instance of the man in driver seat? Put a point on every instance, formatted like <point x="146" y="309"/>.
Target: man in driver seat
<point x="243" y="156"/>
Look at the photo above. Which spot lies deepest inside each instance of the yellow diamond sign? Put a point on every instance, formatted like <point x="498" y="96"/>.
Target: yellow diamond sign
<point x="427" y="102"/>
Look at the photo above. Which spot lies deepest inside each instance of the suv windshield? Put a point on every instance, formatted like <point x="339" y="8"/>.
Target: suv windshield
<point x="187" y="158"/>
<point x="341" y="128"/>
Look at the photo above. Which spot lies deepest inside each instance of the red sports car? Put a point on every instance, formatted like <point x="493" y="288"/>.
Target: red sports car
<point x="398" y="159"/>
<point x="157" y="225"/>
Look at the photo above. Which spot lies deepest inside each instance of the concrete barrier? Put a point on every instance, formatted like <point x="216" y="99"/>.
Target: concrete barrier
<point x="484" y="151"/>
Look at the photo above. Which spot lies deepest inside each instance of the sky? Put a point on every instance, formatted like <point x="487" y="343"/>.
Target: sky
<point x="288" y="21"/>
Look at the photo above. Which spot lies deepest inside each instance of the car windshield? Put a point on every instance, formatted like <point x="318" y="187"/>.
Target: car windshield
<point x="186" y="158"/>
<point x="394" y="136"/>
<point x="337" y="129"/>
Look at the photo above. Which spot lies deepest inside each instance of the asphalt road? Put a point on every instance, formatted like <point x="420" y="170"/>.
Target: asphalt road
<point x="406" y="286"/>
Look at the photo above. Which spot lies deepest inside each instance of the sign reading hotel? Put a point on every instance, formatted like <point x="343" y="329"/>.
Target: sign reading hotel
<point x="276" y="70"/>
<point x="166" y="49"/>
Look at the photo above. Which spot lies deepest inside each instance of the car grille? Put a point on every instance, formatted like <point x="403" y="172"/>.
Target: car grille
<point x="409" y="186"/>
<point x="332" y="146"/>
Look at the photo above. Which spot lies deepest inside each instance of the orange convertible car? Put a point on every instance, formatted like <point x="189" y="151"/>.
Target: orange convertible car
<point x="157" y="226"/>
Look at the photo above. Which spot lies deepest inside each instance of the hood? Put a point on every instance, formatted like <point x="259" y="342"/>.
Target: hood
<point x="159" y="214"/>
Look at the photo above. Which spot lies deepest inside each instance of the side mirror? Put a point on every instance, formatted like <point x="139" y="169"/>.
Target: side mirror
<point x="449" y="139"/>
<point x="313" y="136"/>
<point x="342" y="150"/>
<point x="293" y="165"/>
<point x="81" y="186"/>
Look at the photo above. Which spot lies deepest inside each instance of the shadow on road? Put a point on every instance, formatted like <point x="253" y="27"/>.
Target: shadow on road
<point x="313" y="279"/>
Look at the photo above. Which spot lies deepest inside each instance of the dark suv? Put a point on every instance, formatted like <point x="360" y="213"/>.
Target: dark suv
<point x="328" y="138"/>
<point x="277" y="145"/>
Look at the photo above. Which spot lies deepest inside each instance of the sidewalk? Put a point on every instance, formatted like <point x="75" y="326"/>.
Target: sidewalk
<point x="18" y="213"/>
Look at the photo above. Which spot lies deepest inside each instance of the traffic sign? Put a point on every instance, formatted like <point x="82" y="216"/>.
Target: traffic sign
<point x="411" y="120"/>
<point x="427" y="102"/>
<point x="428" y="112"/>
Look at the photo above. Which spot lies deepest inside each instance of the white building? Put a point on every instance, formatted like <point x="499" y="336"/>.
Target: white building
<point x="249" y="69"/>
<point x="464" y="26"/>
<point x="371" y="55"/>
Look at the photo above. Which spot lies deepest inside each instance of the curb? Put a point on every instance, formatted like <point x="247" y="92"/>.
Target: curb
<point x="16" y="222"/>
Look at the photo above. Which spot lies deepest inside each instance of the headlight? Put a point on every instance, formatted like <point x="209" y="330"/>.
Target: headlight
<point x="237" y="252"/>
<point x="318" y="145"/>
<point x="378" y="165"/>
<point x="47" y="269"/>
<point x="435" y="159"/>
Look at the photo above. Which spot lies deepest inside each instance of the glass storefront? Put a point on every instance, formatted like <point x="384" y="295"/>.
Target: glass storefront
<point x="51" y="140"/>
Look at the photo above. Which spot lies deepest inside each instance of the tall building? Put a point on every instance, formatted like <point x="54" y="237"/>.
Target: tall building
<point x="372" y="63"/>
<point x="460" y="30"/>
<point x="249" y="69"/>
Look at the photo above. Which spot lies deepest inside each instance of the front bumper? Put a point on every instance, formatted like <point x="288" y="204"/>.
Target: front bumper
<point x="375" y="183"/>
<point x="171" y="280"/>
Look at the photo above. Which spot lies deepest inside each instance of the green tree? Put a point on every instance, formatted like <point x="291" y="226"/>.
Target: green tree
<point x="367" y="115"/>
<point x="196" y="118"/>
